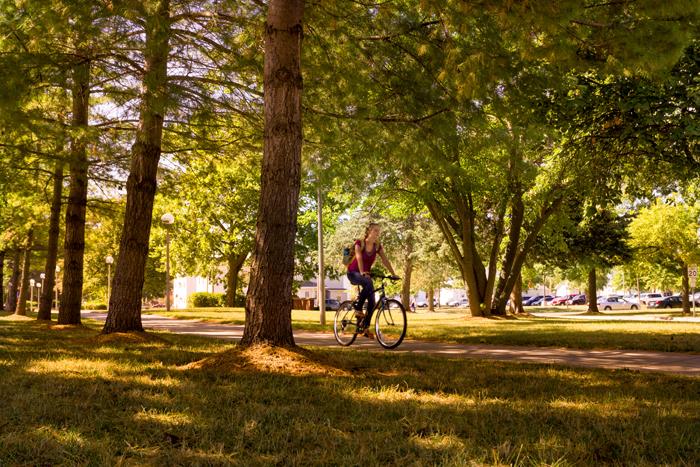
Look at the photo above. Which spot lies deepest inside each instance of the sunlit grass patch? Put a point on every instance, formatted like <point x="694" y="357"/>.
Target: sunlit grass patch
<point x="69" y="402"/>
<point x="265" y="358"/>
<point x="79" y="366"/>
<point x="16" y="318"/>
<point x="127" y="338"/>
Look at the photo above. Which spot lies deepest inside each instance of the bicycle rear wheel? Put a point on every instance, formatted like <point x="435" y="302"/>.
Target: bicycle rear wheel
<point x="390" y="324"/>
<point x="345" y="324"/>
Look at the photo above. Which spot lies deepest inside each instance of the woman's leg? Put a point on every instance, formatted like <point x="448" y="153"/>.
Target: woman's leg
<point x="367" y="291"/>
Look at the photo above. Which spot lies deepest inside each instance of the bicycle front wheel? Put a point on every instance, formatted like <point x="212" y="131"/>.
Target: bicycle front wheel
<point x="345" y="324"/>
<point x="390" y="324"/>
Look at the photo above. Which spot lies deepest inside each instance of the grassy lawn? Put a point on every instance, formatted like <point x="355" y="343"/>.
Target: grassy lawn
<point x="455" y="326"/>
<point x="72" y="397"/>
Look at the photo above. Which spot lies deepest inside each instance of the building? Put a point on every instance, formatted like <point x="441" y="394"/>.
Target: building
<point x="183" y="287"/>
<point x="338" y="289"/>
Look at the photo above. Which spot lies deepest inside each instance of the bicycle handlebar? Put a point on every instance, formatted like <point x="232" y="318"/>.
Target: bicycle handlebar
<point x="382" y="276"/>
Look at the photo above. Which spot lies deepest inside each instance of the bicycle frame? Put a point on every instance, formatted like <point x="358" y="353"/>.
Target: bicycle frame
<point x="381" y="300"/>
<point x="389" y="333"/>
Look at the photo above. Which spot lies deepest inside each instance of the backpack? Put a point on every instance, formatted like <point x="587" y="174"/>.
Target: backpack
<point x="349" y="252"/>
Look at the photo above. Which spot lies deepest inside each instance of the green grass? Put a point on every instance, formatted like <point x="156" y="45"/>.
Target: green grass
<point x="70" y="400"/>
<point x="454" y="326"/>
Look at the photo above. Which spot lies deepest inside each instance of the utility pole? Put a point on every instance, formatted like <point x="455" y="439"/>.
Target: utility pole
<point x="321" y="265"/>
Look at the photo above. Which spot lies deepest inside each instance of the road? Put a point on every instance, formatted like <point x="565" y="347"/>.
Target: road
<point x="664" y="362"/>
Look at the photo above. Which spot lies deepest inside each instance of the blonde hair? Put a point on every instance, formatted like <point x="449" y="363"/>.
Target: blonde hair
<point x="370" y="227"/>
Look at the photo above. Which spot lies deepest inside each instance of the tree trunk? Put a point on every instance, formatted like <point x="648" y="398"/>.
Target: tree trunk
<point x="235" y="263"/>
<point x="127" y="285"/>
<point x="516" y="296"/>
<point x="431" y="297"/>
<point x="269" y="300"/>
<point x="74" y="244"/>
<point x="2" y="280"/>
<point x="686" y="289"/>
<point x="14" y="283"/>
<point x="407" y="272"/>
<point x="24" y="280"/>
<point x="592" y="292"/>
<point x="52" y="251"/>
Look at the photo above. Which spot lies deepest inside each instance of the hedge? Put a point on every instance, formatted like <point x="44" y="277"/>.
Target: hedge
<point x="206" y="299"/>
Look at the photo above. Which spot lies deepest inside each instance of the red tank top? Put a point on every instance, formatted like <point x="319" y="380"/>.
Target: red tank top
<point x="367" y="258"/>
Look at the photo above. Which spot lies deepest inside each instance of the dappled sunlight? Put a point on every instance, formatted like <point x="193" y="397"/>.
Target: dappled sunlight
<point x="16" y="318"/>
<point x="64" y="436"/>
<point x="87" y="368"/>
<point x="398" y="393"/>
<point x="618" y="408"/>
<point x="141" y="403"/>
<point x="174" y="419"/>
<point x="297" y="361"/>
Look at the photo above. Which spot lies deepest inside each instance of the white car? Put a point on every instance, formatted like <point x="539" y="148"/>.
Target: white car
<point x="616" y="303"/>
<point x="462" y="302"/>
<point x="651" y="296"/>
<point x="632" y="299"/>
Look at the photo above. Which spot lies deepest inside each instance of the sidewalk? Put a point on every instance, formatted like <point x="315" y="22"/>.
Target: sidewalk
<point x="664" y="362"/>
<point x="632" y="315"/>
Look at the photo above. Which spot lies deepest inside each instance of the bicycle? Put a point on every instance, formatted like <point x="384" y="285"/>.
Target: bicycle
<point x="389" y="322"/>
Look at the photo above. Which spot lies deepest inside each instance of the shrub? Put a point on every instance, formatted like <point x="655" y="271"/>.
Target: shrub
<point x="94" y="306"/>
<point x="205" y="300"/>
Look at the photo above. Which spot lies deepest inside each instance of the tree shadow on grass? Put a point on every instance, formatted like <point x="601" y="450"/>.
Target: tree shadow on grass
<point x="137" y="405"/>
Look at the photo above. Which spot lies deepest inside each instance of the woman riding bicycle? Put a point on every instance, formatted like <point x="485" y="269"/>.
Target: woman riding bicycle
<point x="366" y="251"/>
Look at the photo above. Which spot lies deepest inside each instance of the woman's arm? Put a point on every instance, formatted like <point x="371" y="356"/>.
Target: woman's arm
<point x="358" y="257"/>
<point x="386" y="262"/>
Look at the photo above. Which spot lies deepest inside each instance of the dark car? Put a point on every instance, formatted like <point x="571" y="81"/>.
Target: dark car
<point x="542" y="302"/>
<point x="332" y="304"/>
<point x="673" y="301"/>
<point x="577" y="300"/>
<point x="531" y="300"/>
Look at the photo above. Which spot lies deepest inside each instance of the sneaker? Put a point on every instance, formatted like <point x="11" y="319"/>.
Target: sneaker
<point x="368" y="334"/>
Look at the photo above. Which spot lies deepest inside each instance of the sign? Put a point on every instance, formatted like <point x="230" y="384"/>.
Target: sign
<point x="693" y="274"/>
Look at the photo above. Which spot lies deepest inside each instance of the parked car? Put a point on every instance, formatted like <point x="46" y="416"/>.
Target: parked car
<point x="577" y="300"/>
<point x="674" y="301"/>
<point x="462" y="302"/>
<point x="538" y="301"/>
<point x="532" y="299"/>
<point x="422" y="303"/>
<point x="614" y="302"/>
<point x="646" y="297"/>
<point x="632" y="299"/>
<point x="562" y="299"/>
<point x="332" y="304"/>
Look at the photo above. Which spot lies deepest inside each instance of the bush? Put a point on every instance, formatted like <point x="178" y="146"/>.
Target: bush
<point x="94" y="306"/>
<point x="205" y="300"/>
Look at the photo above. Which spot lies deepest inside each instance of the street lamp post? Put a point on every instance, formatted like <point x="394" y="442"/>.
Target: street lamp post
<point x="696" y="277"/>
<point x="321" y="266"/>
<point x="31" y="294"/>
<point x="38" y="294"/>
<point x="109" y="260"/>
<point x="167" y="219"/>
<point x="42" y="276"/>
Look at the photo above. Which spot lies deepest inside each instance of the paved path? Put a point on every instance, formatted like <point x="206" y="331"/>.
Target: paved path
<point x="659" y="316"/>
<point x="666" y="362"/>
